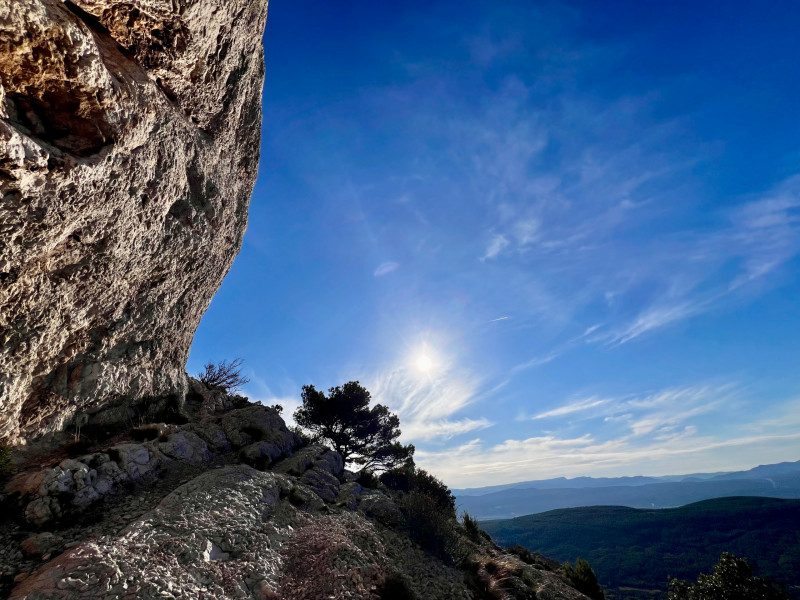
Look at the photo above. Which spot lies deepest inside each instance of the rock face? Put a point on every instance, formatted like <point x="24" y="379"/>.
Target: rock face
<point x="129" y="138"/>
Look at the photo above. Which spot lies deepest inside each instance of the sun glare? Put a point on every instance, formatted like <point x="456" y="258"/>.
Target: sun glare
<point x="424" y="363"/>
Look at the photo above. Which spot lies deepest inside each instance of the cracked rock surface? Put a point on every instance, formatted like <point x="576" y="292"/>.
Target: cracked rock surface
<point x="129" y="141"/>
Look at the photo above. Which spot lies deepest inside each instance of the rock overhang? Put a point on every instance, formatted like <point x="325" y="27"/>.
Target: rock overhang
<point x="129" y="137"/>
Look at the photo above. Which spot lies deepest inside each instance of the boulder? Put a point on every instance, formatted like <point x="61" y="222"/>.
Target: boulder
<point x="137" y="460"/>
<point x="318" y="457"/>
<point x="349" y="495"/>
<point x="258" y="423"/>
<point x="212" y="435"/>
<point x="323" y="484"/>
<point x="382" y="509"/>
<point x="41" y="544"/>
<point x="181" y="548"/>
<point x="186" y="446"/>
<point x="260" y="454"/>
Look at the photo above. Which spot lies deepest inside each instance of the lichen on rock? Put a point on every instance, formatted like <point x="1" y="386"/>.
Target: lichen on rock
<point x="129" y="144"/>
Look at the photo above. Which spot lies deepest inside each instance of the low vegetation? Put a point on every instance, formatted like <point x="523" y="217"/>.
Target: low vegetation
<point x="583" y="579"/>
<point x="225" y="375"/>
<point x="471" y="527"/>
<point x="731" y="579"/>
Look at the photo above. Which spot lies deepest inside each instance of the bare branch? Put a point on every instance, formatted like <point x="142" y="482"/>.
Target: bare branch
<point x="227" y="375"/>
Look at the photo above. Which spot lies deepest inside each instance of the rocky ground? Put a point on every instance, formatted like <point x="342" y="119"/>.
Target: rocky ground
<point x="230" y="504"/>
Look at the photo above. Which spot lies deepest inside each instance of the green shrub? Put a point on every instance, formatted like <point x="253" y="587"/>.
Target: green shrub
<point x="434" y="488"/>
<point x="471" y="527"/>
<point x="305" y="439"/>
<point x="368" y="480"/>
<point x="732" y="579"/>
<point x="409" y="478"/>
<point x="583" y="579"/>
<point x="400" y="479"/>
<point x="532" y="558"/>
<point x="431" y="527"/>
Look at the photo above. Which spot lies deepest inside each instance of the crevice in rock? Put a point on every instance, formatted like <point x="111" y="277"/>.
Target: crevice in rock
<point x="89" y="20"/>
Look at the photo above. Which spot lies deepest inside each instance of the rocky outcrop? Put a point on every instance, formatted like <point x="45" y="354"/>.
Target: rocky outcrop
<point x="229" y="534"/>
<point x="182" y="514"/>
<point x="75" y="484"/>
<point x="236" y="532"/>
<point x="129" y="139"/>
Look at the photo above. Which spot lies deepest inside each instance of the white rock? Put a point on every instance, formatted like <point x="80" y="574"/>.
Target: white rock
<point x="128" y="153"/>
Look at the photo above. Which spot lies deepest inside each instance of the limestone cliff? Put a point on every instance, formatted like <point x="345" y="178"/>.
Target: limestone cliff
<point x="129" y="139"/>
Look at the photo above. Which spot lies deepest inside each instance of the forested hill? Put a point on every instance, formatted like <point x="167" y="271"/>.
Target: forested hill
<point x="643" y="548"/>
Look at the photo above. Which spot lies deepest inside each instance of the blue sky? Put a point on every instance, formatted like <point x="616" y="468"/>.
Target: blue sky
<point x="586" y="216"/>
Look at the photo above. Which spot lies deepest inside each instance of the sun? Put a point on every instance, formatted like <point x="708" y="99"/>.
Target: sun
<point x="424" y="363"/>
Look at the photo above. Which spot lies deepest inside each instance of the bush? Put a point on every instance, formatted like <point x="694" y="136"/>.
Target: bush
<point x="532" y="558"/>
<point x="583" y="579"/>
<point x="431" y="527"/>
<point x="732" y="579"/>
<point x="409" y="478"/>
<point x="367" y="480"/>
<point x="324" y="559"/>
<point x="429" y="508"/>
<point x="225" y="375"/>
<point x="434" y="488"/>
<point x="399" y="480"/>
<point x="305" y="439"/>
<point x="471" y="527"/>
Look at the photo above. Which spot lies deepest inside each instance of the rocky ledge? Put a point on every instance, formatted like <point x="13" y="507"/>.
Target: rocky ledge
<point x="232" y="504"/>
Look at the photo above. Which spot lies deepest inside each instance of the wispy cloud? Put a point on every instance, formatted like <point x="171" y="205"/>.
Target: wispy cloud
<point x="385" y="268"/>
<point x="550" y="456"/>
<point x="663" y="433"/>
<point x="537" y="361"/>
<point x="427" y="402"/>
<point x="700" y="271"/>
<point x="442" y="430"/>
<point x="575" y="407"/>
<point x="653" y="317"/>
<point x="495" y="246"/>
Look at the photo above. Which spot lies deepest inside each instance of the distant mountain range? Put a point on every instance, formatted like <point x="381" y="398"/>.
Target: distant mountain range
<point x="635" y="551"/>
<point x="529" y="497"/>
